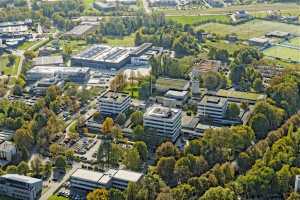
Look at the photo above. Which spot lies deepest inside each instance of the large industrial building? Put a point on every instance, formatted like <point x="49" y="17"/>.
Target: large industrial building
<point x="48" y="61"/>
<point x="113" y="103"/>
<point x="81" y="31"/>
<point x="73" y="74"/>
<point x="106" y="57"/>
<point x="102" y="56"/>
<point x="21" y="187"/>
<point x="166" y="121"/>
<point x="83" y="180"/>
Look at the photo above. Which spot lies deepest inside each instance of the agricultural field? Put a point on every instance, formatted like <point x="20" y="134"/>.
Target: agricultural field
<point x="200" y="19"/>
<point x="254" y="28"/>
<point x="284" y="53"/>
<point x="8" y="70"/>
<point x="256" y="9"/>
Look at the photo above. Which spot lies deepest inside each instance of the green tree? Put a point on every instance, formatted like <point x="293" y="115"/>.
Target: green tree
<point x="165" y="168"/>
<point x="11" y="169"/>
<point x="219" y="193"/>
<point x="260" y="125"/>
<point x="36" y="166"/>
<point x="121" y="119"/>
<point x="23" y="168"/>
<point x="107" y="125"/>
<point x="258" y="85"/>
<point x="98" y="194"/>
<point x="142" y="149"/>
<point x="132" y="159"/>
<point x="167" y="149"/>
<point x="183" y="192"/>
<point x="115" y="194"/>
<point x="233" y="111"/>
<point x="137" y="118"/>
<point x="60" y="162"/>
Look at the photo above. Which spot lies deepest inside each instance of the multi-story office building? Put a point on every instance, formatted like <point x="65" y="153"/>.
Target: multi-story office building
<point x="21" y="187"/>
<point x="7" y="152"/>
<point x="166" y="121"/>
<point x="122" y="177"/>
<point x="85" y="180"/>
<point x="41" y="86"/>
<point x="113" y="103"/>
<point x="213" y="107"/>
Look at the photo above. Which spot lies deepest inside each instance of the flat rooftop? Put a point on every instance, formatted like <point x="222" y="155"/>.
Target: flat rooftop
<point x="207" y="65"/>
<point x="129" y="176"/>
<point x="278" y="34"/>
<point x="104" y="53"/>
<point x="21" y="178"/>
<point x="161" y="112"/>
<point x="259" y="40"/>
<point x="240" y="95"/>
<point x="175" y="93"/>
<point x="48" y="60"/>
<point x="79" y="30"/>
<point x="55" y="69"/>
<point x="213" y="101"/>
<point x="87" y="175"/>
<point x="116" y="97"/>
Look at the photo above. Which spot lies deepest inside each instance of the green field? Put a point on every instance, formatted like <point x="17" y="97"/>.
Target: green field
<point x="8" y="70"/>
<point x="254" y="28"/>
<point x="284" y="53"/>
<point x="254" y="9"/>
<point x="294" y="42"/>
<point x="126" y="41"/>
<point x="26" y="45"/>
<point x="221" y="44"/>
<point x="200" y="19"/>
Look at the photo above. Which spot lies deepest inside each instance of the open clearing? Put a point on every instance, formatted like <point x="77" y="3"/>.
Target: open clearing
<point x="8" y="70"/>
<point x="126" y="41"/>
<point x="284" y="53"/>
<point x="200" y="19"/>
<point x="254" y="28"/>
<point x="221" y="44"/>
<point x="294" y="42"/>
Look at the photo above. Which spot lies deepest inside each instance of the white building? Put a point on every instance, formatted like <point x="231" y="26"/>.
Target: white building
<point x="166" y="121"/>
<point x="213" y="107"/>
<point x="21" y="187"/>
<point x="113" y="103"/>
<point x="297" y="183"/>
<point x="7" y="152"/>
<point x="85" y="180"/>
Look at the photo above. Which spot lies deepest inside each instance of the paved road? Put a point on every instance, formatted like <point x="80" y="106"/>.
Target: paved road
<point x="54" y="186"/>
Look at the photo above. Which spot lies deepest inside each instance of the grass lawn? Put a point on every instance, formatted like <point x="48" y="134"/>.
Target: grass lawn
<point x="135" y="88"/>
<point x="126" y="41"/>
<point x="221" y="44"/>
<point x="200" y="19"/>
<point x="8" y="70"/>
<point x="26" y="45"/>
<point x="283" y="53"/>
<point x="54" y="197"/>
<point x="166" y="83"/>
<point x="294" y="42"/>
<point x="254" y="9"/>
<point x="237" y="94"/>
<point x="254" y="28"/>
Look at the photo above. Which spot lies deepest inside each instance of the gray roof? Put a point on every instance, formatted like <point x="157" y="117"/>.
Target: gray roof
<point x="21" y="178"/>
<point x="129" y="176"/>
<point x="48" y="60"/>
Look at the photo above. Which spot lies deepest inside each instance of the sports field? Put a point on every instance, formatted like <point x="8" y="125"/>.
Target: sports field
<point x="254" y="28"/>
<point x="284" y="53"/>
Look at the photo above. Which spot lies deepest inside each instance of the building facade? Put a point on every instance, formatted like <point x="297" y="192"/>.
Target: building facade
<point x="21" y="187"/>
<point x="113" y="103"/>
<point x="166" y="121"/>
<point x="212" y="107"/>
